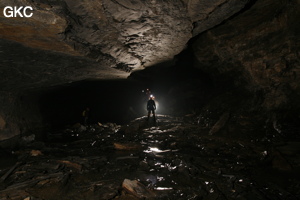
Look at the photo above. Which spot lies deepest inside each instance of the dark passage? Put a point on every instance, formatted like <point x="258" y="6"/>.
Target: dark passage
<point x="75" y="79"/>
<point x="109" y="101"/>
<point x="177" y="91"/>
<point x="204" y="143"/>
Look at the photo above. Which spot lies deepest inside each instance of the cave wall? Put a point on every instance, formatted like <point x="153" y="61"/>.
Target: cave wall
<point x="131" y="34"/>
<point x="251" y="45"/>
<point x="19" y="115"/>
<point x="257" y="50"/>
<point x="71" y="40"/>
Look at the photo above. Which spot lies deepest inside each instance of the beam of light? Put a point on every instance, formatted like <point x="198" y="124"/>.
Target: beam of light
<point x="157" y="105"/>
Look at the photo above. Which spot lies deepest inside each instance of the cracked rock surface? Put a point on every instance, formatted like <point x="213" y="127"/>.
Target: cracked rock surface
<point x="125" y="34"/>
<point x="258" y="50"/>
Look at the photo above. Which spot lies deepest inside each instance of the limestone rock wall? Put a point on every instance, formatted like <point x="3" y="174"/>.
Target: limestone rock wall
<point x="252" y="44"/>
<point x="19" y="115"/>
<point x="134" y="33"/>
<point x="142" y="33"/>
<point x="72" y="40"/>
<point x="257" y="50"/>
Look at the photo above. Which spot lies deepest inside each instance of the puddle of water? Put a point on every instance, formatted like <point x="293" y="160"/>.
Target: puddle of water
<point x="156" y="150"/>
<point x="163" y="188"/>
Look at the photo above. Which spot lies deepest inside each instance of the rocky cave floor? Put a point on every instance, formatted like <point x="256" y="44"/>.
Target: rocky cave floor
<point x="174" y="158"/>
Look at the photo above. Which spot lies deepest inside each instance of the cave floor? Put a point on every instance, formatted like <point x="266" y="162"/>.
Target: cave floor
<point x="169" y="159"/>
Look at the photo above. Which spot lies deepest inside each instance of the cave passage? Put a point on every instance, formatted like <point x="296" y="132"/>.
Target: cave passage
<point x="109" y="101"/>
<point x="198" y="147"/>
<point x="224" y="75"/>
<point x="177" y="92"/>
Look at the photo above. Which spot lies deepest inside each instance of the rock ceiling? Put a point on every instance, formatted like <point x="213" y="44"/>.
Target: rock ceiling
<point x="71" y="40"/>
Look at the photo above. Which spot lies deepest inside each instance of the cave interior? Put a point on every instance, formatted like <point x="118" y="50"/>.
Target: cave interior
<point x="224" y="76"/>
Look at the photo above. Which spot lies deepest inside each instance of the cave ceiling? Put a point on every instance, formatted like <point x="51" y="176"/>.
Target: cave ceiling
<point x="71" y="40"/>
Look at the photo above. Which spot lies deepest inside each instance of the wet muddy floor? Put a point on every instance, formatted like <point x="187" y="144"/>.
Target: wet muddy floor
<point x="169" y="159"/>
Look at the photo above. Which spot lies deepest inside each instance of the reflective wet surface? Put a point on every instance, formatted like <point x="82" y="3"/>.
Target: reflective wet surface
<point x="170" y="159"/>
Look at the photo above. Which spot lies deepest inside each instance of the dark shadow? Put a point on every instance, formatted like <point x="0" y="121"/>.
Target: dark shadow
<point x="109" y="101"/>
<point x="177" y="86"/>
